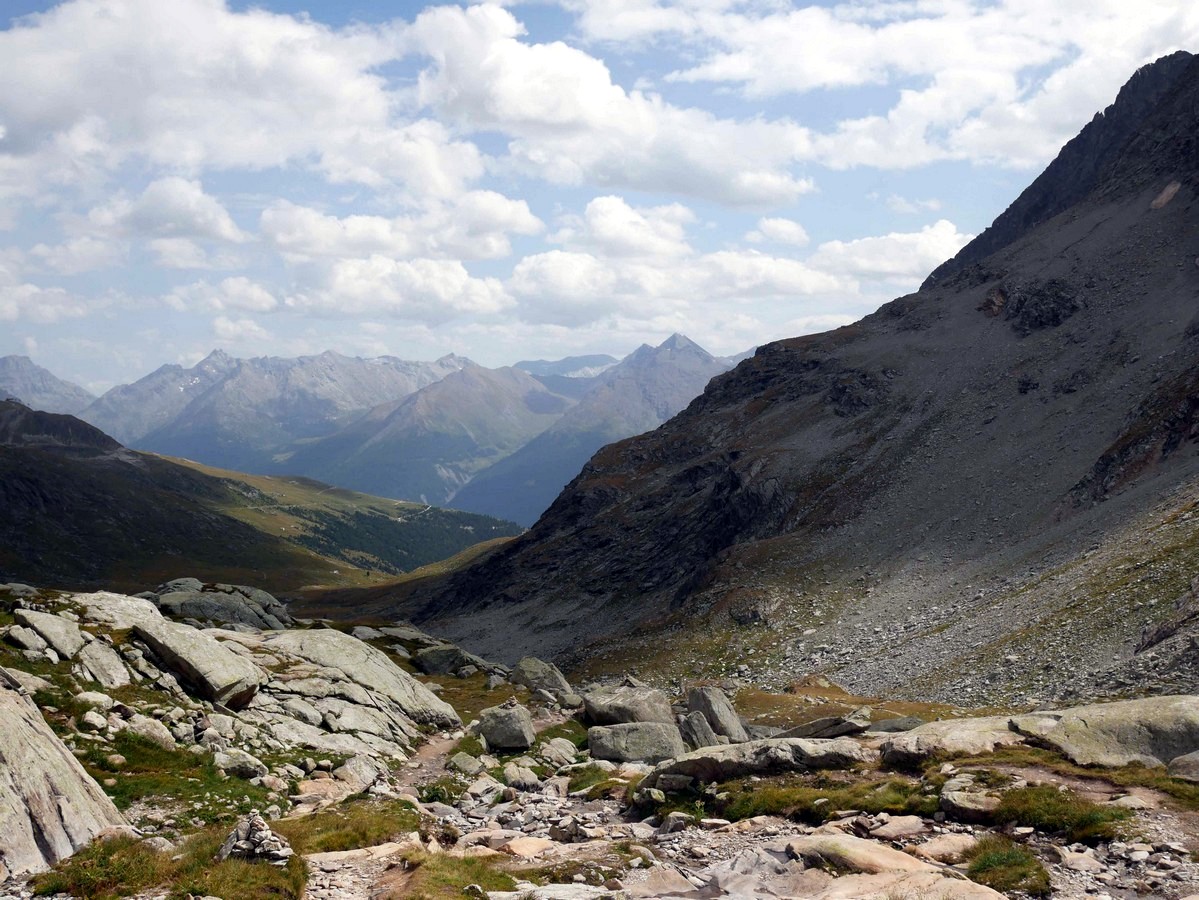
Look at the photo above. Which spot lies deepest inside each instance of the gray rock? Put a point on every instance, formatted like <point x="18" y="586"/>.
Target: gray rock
<point x="235" y="604"/>
<point x="31" y="684"/>
<point x="442" y="659"/>
<point x="360" y="771"/>
<point x="696" y="731"/>
<point x="949" y="738"/>
<point x="465" y="763"/>
<point x="506" y="728"/>
<point x="855" y="722"/>
<point x="969" y="806"/>
<point x="521" y="777"/>
<point x="49" y="806"/>
<point x="104" y="665"/>
<point x="716" y="708"/>
<point x="896" y="725"/>
<point x="536" y="674"/>
<point x="61" y="634"/>
<point x="116" y="610"/>
<point x="26" y="639"/>
<point x="214" y="671"/>
<point x="769" y="757"/>
<point x="366" y="633"/>
<point x="626" y="703"/>
<point x="649" y="742"/>
<point x="1151" y="731"/>
<point x="240" y="763"/>
<point x="95" y="700"/>
<point x="370" y="668"/>
<point x="150" y="729"/>
<point x="1185" y="767"/>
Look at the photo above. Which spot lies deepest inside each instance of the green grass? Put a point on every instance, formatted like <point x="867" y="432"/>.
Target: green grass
<point x="123" y="866"/>
<point x="797" y="797"/>
<point x="1003" y="866"/>
<point x="1053" y="811"/>
<point x="441" y="877"/>
<point x="584" y="778"/>
<point x="171" y="776"/>
<point x="355" y="823"/>
<point x="443" y="790"/>
<point x="571" y="729"/>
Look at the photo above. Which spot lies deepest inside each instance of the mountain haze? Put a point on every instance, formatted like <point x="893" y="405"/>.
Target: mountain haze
<point x="910" y="500"/>
<point x="636" y="395"/>
<point x="24" y="380"/>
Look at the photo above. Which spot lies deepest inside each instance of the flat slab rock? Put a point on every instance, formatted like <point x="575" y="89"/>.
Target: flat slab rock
<point x="948" y="737"/>
<point x="212" y="669"/>
<point x="49" y="806"/>
<point x="765" y="757"/>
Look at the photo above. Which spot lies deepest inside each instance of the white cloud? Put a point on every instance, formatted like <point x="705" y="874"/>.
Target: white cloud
<point x="610" y="227"/>
<point x="43" y="306"/>
<point x="184" y="253"/>
<point x="904" y="206"/>
<point x="571" y="124"/>
<point x="170" y="207"/>
<point x="237" y="293"/>
<point x="902" y="257"/>
<point x="82" y="254"/>
<point x="779" y="231"/>
<point x="475" y="225"/>
<point x="239" y="331"/>
<point x="427" y="290"/>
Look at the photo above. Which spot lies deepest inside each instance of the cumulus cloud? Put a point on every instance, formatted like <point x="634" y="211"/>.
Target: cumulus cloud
<point x="571" y="124"/>
<point x="779" y="231"/>
<point x="426" y="290"/>
<point x="476" y="225"/>
<point x="82" y="254"/>
<point x="170" y="207"/>
<point x="611" y="227"/>
<point x="238" y="293"/>
<point x="902" y="257"/>
<point x="239" y="331"/>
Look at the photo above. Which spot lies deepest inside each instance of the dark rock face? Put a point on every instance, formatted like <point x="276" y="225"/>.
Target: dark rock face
<point x="962" y="431"/>
<point x="1081" y="164"/>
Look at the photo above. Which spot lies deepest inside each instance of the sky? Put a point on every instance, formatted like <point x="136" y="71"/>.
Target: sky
<point x="514" y="180"/>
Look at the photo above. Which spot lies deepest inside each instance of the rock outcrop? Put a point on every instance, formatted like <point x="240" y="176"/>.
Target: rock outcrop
<point x="649" y="742"/>
<point x="213" y="670"/>
<point x="49" y="806"/>
<point x="630" y="701"/>
<point x="765" y="757"/>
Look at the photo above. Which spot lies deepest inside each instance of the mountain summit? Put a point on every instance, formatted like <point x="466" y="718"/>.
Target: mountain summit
<point x="930" y="493"/>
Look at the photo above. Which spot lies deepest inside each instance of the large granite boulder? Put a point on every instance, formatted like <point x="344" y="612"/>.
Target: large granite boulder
<point x="103" y="664"/>
<point x="442" y="659"/>
<point x="773" y="756"/>
<point x="1152" y="731"/>
<point x="49" y="806"/>
<point x="369" y="667"/>
<point x="950" y="737"/>
<point x="537" y="674"/>
<point x="507" y="728"/>
<point x="649" y="742"/>
<point x="116" y="610"/>
<point x="227" y="603"/>
<point x="696" y="731"/>
<point x="61" y="634"/>
<point x="627" y="702"/>
<point x="211" y="669"/>
<point x="854" y="722"/>
<point x="716" y="708"/>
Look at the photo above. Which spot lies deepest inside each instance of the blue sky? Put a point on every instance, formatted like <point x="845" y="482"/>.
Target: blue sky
<point x="514" y="180"/>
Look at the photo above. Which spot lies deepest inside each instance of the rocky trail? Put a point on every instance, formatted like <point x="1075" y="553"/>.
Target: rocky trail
<point x="384" y="763"/>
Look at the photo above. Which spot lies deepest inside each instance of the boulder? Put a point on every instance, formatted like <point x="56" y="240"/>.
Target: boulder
<point x="946" y="848"/>
<point x="536" y="674"/>
<point x="649" y="742"/>
<point x="773" y="756"/>
<point x="896" y="725"/>
<point x="465" y="763"/>
<point x="1185" y="767"/>
<point x="212" y="670"/>
<point x="49" y="806"/>
<point x="150" y="729"/>
<point x="855" y="722"/>
<point x="521" y="777"/>
<point x="27" y="682"/>
<point x="234" y="606"/>
<point x="116" y="610"/>
<point x="61" y="634"/>
<point x="846" y="853"/>
<point x="903" y="886"/>
<point x="369" y="667"/>
<point x="360" y="771"/>
<point x="26" y="639"/>
<point x="947" y="738"/>
<point x="507" y="727"/>
<point x="716" y="708"/>
<point x="239" y="763"/>
<point x="104" y="665"/>
<point x="898" y="828"/>
<point x="696" y="731"/>
<point x="1151" y="731"/>
<point x="626" y="703"/>
<point x="971" y="807"/>
<point x="443" y="659"/>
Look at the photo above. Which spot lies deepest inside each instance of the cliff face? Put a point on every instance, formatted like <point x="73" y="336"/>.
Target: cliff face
<point x="1020" y="407"/>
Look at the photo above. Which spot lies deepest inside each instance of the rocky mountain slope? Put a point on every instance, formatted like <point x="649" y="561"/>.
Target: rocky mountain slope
<point x="636" y="395"/>
<point x="22" y="379"/>
<point x="896" y="498"/>
<point x="77" y="508"/>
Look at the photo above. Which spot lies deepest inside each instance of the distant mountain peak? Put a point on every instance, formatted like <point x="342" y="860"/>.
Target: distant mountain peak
<point x="23" y="379"/>
<point x="679" y="341"/>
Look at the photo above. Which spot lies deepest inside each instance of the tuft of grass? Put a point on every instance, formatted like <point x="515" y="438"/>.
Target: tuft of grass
<point x="441" y="877"/>
<point x="1006" y="867"/>
<point x="443" y="790"/>
<point x="813" y="798"/>
<point x="588" y="777"/>
<point x="571" y="729"/>
<point x="176" y="776"/>
<point x="124" y="866"/>
<point x="1048" y="809"/>
<point x="355" y="823"/>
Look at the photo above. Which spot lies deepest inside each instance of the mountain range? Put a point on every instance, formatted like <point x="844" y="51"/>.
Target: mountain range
<point x="419" y="431"/>
<point x="984" y="490"/>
